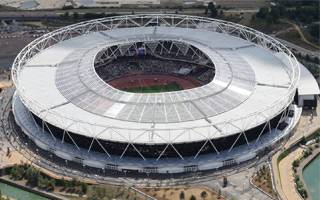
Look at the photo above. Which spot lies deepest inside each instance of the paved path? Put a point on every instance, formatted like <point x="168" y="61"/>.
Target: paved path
<point x="309" y="122"/>
<point x="297" y="28"/>
<point x="287" y="176"/>
<point x="239" y="186"/>
<point x="5" y="84"/>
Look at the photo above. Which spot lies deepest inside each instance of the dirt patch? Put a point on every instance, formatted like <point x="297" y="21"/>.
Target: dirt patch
<point x="175" y="193"/>
<point x="262" y="179"/>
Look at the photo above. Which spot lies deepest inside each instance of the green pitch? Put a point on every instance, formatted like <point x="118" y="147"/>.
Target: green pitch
<point x="155" y="89"/>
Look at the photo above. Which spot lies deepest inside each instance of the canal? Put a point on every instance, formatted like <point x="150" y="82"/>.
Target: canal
<point x="18" y="194"/>
<point x="311" y="175"/>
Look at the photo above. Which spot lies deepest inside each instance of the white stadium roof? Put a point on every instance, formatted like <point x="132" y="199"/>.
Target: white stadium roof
<point x="59" y="84"/>
<point x="307" y="84"/>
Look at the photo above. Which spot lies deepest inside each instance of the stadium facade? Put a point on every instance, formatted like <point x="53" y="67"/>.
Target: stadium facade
<point x="246" y="101"/>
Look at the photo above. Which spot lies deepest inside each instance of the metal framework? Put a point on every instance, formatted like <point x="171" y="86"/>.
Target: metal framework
<point x="156" y="48"/>
<point x="134" y="21"/>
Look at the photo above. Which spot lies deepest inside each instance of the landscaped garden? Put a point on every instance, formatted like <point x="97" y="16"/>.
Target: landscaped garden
<point x="27" y="175"/>
<point x="262" y="179"/>
<point x="313" y="144"/>
<point x="187" y="193"/>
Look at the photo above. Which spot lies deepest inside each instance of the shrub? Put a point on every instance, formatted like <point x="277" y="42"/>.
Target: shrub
<point x="283" y="155"/>
<point x="203" y="194"/>
<point x="193" y="197"/>
<point x="32" y="176"/>
<point x="84" y="188"/>
<point x="181" y="196"/>
<point x="306" y="153"/>
<point x="17" y="172"/>
<point x="295" y="163"/>
<point x="296" y="178"/>
<point x="303" y="140"/>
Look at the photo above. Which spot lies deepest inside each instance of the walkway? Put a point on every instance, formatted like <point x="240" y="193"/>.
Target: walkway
<point x="308" y="124"/>
<point x="287" y="176"/>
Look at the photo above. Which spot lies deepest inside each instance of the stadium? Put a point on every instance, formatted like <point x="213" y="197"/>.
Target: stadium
<point x="159" y="93"/>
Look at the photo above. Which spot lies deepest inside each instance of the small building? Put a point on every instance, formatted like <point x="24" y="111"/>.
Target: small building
<point x="308" y="89"/>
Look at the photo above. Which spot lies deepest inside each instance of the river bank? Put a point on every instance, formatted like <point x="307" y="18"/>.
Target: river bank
<point x="20" y="191"/>
<point x="310" y="175"/>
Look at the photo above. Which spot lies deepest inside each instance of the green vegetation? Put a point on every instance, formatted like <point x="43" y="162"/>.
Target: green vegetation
<point x="262" y="179"/>
<point x="156" y="88"/>
<point x="203" y="195"/>
<point x="181" y="195"/>
<point x="306" y="152"/>
<point x="100" y="192"/>
<point x="303" y="13"/>
<point x="86" y="16"/>
<point x="295" y="163"/>
<point x="314" y="29"/>
<point x="35" y="178"/>
<point x="212" y="10"/>
<point x="270" y="15"/>
<point x="283" y="155"/>
<point x="300" y="187"/>
<point x="78" y="190"/>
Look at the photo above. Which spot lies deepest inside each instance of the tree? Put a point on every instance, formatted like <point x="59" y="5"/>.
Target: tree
<point x="73" y="182"/>
<point x="66" y="15"/>
<point x="193" y="197"/>
<point x="203" y="195"/>
<point x="263" y="12"/>
<point x="212" y="10"/>
<point x="75" y="15"/>
<point x="225" y="181"/>
<point x="181" y="196"/>
<point x="295" y="163"/>
<point x="84" y="188"/>
<point x="17" y="172"/>
<point x="32" y="176"/>
<point x="275" y="14"/>
<point x="303" y="139"/>
<point x="51" y="184"/>
<point x="314" y="30"/>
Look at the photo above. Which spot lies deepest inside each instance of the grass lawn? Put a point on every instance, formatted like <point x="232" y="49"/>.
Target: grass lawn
<point x="268" y="28"/>
<point x="155" y="88"/>
<point x="294" y="37"/>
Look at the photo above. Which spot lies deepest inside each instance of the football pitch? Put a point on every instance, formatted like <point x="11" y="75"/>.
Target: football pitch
<point x="155" y="88"/>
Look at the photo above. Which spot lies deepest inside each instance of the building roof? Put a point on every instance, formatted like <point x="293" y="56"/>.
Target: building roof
<point x="252" y="84"/>
<point x="307" y="84"/>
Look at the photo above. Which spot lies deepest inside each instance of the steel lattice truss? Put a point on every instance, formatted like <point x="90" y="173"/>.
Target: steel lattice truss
<point x="155" y="21"/>
<point x="156" y="48"/>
